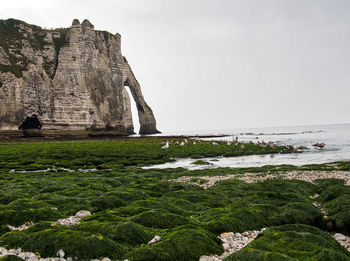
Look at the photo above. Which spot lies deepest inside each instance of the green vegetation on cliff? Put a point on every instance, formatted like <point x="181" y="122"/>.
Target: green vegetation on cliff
<point x="12" y="34"/>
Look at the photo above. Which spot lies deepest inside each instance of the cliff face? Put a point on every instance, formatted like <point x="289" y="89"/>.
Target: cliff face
<point x="67" y="79"/>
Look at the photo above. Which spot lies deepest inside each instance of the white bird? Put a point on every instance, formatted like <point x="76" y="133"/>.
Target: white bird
<point x="166" y="146"/>
<point x="182" y="144"/>
<point x="228" y="143"/>
<point x="215" y="144"/>
<point x="194" y="143"/>
<point x="185" y="141"/>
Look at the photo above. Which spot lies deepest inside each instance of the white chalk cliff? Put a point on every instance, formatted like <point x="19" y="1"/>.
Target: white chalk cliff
<point x="67" y="79"/>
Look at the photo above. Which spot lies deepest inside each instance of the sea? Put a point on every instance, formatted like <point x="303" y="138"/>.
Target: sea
<point x="335" y="136"/>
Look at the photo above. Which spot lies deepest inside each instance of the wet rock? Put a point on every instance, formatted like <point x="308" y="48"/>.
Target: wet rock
<point x="226" y="246"/>
<point x="12" y="252"/>
<point x="70" y="221"/>
<point x="21" y="227"/>
<point x="60" y="253"/>
<point x="82" y="214"/>
<point x="208" y="258"/>
<point x="233" y="242"/>
<point x="339" y="237"/>
<point x="154" y="240"/>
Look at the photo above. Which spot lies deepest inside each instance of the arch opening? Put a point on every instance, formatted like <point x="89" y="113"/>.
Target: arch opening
<point x="134" y="110"/>
<point x="31" y="123"/>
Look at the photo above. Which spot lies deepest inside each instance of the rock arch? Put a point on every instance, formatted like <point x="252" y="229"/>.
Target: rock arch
<point x="146" y="117"/>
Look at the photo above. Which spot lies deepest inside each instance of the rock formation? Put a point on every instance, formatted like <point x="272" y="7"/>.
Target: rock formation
<point x="67" y="79"/>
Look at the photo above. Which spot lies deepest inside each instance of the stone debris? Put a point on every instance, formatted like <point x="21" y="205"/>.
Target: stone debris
<point x="56" y="170"/>
<point x="233" y="242"/>
<point x="339" y="237"/>
<point x="318" y="205"/>
<point x="314" y="196"/>
<point x="74" y="220"/>
<point x="343" y="240"/>
<point x="33" y="257"/>
<point x="308" y="176"/>
<point x="154" y="240"/>
<point x="69" y="221"/>
<point x="21" y="227"/>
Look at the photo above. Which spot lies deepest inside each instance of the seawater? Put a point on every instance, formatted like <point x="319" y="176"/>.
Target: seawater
<point x="336" y="137"/>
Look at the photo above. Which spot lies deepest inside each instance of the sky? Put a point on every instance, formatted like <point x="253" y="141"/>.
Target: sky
<point x="222" y="64"/>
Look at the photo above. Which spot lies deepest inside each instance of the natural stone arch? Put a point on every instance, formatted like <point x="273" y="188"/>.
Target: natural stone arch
<point x="146" y="117"/>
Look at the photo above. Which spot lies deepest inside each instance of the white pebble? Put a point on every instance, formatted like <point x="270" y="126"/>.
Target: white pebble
<point x="154" y="240"/>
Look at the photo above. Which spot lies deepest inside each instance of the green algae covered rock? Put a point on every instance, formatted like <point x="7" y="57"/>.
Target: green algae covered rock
<point x="130" y="205"/>
<point x="201" y="162"/>
<point x="184" y="244"/>
<point x="159" y="218"/>
<point x="10" y="258"/>
<point x="74" y="243"/>
<point x="292" y="242"/>
<point x="123" y="232"/>
<point x="3" y="229"/>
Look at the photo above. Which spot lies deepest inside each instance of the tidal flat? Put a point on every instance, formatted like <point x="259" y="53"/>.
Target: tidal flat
<point x="42" y="183"/>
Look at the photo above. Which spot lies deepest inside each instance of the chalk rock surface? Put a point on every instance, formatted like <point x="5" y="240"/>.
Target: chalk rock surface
<point x="67" y="79"/>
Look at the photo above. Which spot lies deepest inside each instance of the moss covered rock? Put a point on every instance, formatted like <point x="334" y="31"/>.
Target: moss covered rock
<point x="293" y="242"/>
<point x="184" y="244"/>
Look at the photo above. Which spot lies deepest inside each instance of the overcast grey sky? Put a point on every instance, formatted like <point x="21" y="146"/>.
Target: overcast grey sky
<point x="215" y="64"/>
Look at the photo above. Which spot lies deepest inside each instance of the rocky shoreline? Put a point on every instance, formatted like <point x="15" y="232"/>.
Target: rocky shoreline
<point x="34" y="257"/>
<point x="308" y="176"/>
<point x="233" y="242"/>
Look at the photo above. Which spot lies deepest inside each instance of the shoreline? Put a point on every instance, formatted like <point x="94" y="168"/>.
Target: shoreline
<point x="53" y="135"/>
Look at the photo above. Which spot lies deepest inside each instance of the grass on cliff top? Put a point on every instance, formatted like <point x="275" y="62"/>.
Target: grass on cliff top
<point x="131" y="205"/>
<point x="11" y="41"/>
<point x="112" y="153"/>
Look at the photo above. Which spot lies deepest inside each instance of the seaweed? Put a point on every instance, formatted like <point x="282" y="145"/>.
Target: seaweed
<point x="131" y="205"/>
<point x="292" y="242"/>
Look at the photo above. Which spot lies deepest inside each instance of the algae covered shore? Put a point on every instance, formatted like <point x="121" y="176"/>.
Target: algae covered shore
<point x="42" y="183"/>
